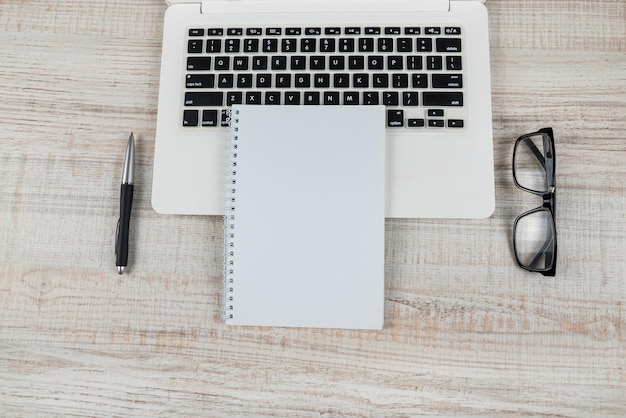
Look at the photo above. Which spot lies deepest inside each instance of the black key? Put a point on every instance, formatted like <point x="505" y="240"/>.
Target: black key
<point x="390" y="98"/>
<point x="375" y="63"/>
<point x="435" y="113"/>
<point x="341" y="80"/>
<point x="327" y="45"/>
<point x="337" y="63"/>
<point x="385" y="44"/>
<point x="279" y="62"/>
<point x="200" y="81"/>
<point x="289" y="45"/>
<point x="298" y="63"/>
<point x="313" y="31"/>
<point x="234" y="97"/>
<point x="240" y="63"/>
<point x="194" y="46"/>
<point x="292" y="97"/>
<point x="366" y="44"/>
<point x="353" y="31"/>
<point x="321" y="80"/>
<point x="360" y="80"/>
<point x="222" y="63"/>
<point x="312" y="98"/>
<point x="205" y="99"/>
<point x="216" y="32"/>
<point x="293" y="31"/>
<point x="415" y="123"/>
<point x="302" y="80"/>
<point x="414" y="62"/>
<point x="272" y="98"/>
<point x="232" y="45"/>
<point x="283" y="80"/>
<point x="317" y="62"/>
<point x="395" y="30"/>
<point x="395" y="118"/>
<point x="431" y="30"/>
<point x="371" y="98"/>
<point x="225" y="81"/>
<point x="198" y="63"/>
<point x="394" y="62"/>
<point x="209" y="118"/>
<point x="196" y="32"/>
<point x="448" y="45"/>
<point x="447" y="81"/>
<point x="263" y="80"/>
<point x="350" y="98"/>
<point x="400" y="81"/>
<point x="372" y="31"/>
<point x="225" y="118"/>
<point x="251" y="45"/>
<point x="273" y="31"/>
<point x="434" y="62"/>
<point x="455" y="30"/>
<point x="259" y="63"/>
<point x="253" y="98"/>
<point x="420" y="81"/>
<point x="380" y="80"/>
<point x="442" y="98"/>
<point x="190" y="118"/>
<point x="244" y="81"/>
<point x="308" y="45"/>
<point x="410" y="98"/>
<point x="331" y="98"/>
<point x="405" y="44"/>
<point x="424" y="44"/>
<point x="453" y="63"/>
<point x="412" y="31"/>
<point x="346" y="45"/>
<point x="270" y="45"/>
<point x="356" y="62"/>
<point x="213" y="46"/>
<point x="234" y="31"/>
<point x="435" y="123"/>
<point x="332" y="31"/>
<point x="254" y="31"/>
<point x="455" y="123"/>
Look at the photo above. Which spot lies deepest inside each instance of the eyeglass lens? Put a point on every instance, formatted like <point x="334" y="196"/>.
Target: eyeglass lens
<point x="535" y="240"/>
<point x="530" y="163"/>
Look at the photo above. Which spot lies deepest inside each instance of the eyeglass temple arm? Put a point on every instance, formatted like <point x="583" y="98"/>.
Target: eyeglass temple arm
<point x="543" y="252"/>
<point x="535" y="151"/>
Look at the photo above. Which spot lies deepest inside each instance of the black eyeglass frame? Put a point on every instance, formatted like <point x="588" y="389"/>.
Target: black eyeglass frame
<point x="548" y="161"/>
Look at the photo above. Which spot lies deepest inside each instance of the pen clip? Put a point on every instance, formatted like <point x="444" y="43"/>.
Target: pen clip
<point x="117" y="235"/>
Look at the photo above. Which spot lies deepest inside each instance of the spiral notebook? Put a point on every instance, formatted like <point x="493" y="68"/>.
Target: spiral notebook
<point x="304" y="224"/>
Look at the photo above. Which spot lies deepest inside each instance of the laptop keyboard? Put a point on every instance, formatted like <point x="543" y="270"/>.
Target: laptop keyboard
<point x="416" y="72"/>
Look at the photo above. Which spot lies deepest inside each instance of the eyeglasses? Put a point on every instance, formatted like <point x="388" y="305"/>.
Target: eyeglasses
<point x="534" y="232"/>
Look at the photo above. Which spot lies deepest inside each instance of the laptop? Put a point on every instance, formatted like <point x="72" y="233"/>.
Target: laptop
<point x="426" y="61"/>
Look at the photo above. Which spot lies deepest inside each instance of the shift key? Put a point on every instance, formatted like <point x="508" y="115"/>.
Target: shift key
<point x="442" y="98"/>
<point x="207" y="99"/>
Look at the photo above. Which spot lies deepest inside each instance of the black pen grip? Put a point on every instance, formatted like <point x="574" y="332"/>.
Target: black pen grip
<point x="126" y="203"/>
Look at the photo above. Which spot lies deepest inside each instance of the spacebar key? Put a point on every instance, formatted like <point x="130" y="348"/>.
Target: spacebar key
<point x="204" y="98"/>
<point x="443" y="98"/>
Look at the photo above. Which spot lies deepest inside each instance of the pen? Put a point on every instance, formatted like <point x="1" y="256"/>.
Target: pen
<point x="126" y="202"/>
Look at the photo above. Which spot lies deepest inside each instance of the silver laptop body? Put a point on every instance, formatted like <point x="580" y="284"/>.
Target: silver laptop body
<point x="427" y="61"/>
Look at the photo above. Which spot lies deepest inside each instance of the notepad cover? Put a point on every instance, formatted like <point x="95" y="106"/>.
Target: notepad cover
<point x="304" y="226"/>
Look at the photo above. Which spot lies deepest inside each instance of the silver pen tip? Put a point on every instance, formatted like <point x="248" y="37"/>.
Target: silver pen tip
<point x="120" y="269"/>
<point x="128" y="172"/>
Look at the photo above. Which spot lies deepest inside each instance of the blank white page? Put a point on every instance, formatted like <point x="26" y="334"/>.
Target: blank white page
<point x="309" y="217"/>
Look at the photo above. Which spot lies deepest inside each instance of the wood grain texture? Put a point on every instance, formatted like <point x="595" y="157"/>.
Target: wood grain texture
<point x="466" y="331"/>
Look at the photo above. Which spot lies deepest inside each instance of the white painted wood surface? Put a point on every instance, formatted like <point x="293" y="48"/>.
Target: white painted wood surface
<point x="467" y="332"/>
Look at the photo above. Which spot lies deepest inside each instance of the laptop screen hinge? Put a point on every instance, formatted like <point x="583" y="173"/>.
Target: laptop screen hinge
<point x="217" y="6"/>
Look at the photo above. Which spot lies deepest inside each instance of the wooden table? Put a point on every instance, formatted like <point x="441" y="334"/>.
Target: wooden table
<point x="466" y="332"/>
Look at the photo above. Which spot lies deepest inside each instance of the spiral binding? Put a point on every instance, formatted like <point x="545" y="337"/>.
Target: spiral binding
<point x="229" y="215"/>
